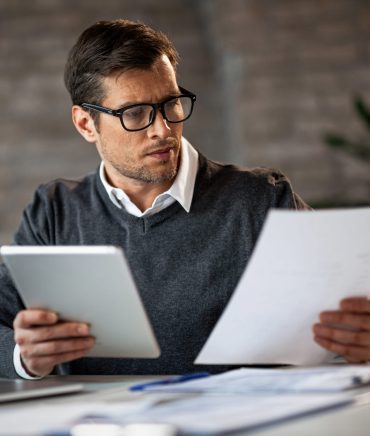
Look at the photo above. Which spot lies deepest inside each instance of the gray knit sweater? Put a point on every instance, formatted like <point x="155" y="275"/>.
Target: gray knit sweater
<point x="186" y="265"/>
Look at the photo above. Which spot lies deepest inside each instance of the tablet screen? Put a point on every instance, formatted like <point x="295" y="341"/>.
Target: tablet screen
<point x="91" y="284"/>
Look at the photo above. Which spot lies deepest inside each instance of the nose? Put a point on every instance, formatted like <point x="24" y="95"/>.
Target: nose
<point x="160" y="128"/>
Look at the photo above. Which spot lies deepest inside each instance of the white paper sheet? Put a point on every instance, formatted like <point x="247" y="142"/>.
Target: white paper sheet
<point x="316" y="379"/>
<point x="304" y="263"/>
<point x="214" y="414"/>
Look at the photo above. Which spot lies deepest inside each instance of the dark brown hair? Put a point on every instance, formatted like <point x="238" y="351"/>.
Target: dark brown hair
<point x="108" y="47"/>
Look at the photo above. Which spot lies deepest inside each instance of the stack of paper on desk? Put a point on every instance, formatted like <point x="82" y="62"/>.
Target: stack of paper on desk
<point x="219" y="414"/>
<point x="250" y="398"/>
<point x="303" y="263"/>
<point x="322" y="379"/>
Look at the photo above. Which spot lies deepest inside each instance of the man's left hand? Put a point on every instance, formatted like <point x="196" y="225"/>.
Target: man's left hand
<point x="346" y="331"/>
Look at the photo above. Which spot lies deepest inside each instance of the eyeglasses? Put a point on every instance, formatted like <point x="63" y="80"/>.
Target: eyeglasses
<point x="141" y="115"/>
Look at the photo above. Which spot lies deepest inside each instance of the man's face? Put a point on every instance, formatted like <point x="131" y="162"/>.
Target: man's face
<point x="150" y="155"/>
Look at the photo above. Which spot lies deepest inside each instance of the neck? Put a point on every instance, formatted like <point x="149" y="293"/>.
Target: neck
<point x="143" y="194"/>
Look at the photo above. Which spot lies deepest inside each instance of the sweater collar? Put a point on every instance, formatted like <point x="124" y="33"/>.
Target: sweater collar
<point x="181" y="190"/>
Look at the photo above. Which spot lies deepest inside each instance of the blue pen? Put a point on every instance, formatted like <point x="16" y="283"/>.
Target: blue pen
<point x="168" y="381"/>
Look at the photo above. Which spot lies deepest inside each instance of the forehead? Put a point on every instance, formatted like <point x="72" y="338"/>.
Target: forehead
<point x="141" y="85"/>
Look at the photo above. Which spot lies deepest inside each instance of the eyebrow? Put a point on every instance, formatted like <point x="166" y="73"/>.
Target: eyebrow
<point x="130" y="103"/>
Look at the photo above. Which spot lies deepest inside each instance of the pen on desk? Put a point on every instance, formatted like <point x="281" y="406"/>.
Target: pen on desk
<point x="168" y="381"/>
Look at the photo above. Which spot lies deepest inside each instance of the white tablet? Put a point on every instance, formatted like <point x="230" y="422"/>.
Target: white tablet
<point x="91" y="284"/>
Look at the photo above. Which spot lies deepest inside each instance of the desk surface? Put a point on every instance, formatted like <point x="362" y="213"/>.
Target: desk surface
<point x="351" y="420"/>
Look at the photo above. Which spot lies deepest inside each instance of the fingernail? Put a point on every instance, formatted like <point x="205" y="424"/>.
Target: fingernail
<point x="53" y="317"/>
<point x="83" y="329"/>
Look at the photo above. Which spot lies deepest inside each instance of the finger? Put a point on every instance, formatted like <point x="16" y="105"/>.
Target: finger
<point x="42" y="366"/>
<point x="350" y="352"/>
<point x="51" y="332"/>
<point x="352" y="320"/>
<point x="32" y="317"/>
<point x="52" y="348"/>
<point x="358" y="338"/>
<point x="356" y="304"/>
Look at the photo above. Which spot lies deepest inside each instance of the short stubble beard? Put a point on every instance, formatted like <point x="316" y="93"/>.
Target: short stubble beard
<point x="146" y="174"/>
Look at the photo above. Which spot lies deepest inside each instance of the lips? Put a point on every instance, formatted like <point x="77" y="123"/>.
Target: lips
<point x="161" y="150"/>
<point x="161" y="153"/>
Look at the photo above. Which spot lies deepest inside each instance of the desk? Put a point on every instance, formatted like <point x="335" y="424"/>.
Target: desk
<point x="351" y="420"/>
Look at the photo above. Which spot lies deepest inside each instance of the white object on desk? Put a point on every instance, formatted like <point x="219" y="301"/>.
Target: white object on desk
<point x="219" y="414"/>
<point x="303" y="263"/>
<point x="91" y="284"/>
<point x="318" y="379"/>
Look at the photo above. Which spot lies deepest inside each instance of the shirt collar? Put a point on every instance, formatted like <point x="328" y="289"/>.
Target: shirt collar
<point x="181" y="190"/>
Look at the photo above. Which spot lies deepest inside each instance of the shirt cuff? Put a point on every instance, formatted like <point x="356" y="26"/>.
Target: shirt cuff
<point x="19" y="369"/>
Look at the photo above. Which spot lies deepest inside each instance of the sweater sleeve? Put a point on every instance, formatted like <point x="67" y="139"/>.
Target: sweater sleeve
<point x="33" y="230"/>
<point x="36" y="224"/>
<point x="10" y="305"/>
<point x="285" y="197"/>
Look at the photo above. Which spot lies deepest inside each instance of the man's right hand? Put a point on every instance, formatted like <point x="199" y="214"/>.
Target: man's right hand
<point x="45" y="341"/>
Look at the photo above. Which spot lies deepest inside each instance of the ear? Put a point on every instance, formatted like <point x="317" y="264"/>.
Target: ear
<point x="84" y="123"/>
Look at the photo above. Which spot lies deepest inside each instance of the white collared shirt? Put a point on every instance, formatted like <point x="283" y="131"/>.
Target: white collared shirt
<point x="181" y="190"/>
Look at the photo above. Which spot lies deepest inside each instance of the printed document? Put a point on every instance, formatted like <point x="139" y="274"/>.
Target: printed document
<point x="304" y="262"/>
<point x="316" y="379"/>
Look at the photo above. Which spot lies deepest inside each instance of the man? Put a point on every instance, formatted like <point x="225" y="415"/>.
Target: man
<point x="187" y="225"/>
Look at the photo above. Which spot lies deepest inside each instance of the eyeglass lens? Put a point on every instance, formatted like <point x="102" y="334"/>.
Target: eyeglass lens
<point x="141" y="116"/>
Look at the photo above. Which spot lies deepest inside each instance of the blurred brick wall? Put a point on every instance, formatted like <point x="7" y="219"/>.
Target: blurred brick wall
<point x="290" y="69"/>
<point x="270" y="80"/>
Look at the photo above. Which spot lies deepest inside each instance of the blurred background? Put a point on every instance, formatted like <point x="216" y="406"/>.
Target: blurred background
<point x="282" y="83"/>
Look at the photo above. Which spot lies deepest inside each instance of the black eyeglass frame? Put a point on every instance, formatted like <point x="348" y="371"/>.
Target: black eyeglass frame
<point x="156" y="107"/>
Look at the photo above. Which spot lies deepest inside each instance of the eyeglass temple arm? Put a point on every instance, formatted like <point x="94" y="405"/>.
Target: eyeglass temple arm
<point x="99" y="108"/>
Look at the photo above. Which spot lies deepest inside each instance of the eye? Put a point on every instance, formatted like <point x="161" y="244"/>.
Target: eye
<point x="173" y="103"/>
<point x="136" y="112"/>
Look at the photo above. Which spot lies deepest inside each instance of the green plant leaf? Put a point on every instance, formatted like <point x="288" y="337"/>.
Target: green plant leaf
<point x="362" y="110"/>
<point x="360" y="150"/>
<point x="336" y="141"/>
<point x="357" y="149"/>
